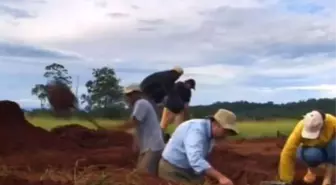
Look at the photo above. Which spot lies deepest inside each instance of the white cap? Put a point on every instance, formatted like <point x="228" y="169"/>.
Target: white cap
<point x="132" y="88"/>
<point x="312" y="125"/>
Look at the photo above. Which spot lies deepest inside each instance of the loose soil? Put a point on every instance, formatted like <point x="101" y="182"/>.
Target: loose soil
<point x="73" y="154"/>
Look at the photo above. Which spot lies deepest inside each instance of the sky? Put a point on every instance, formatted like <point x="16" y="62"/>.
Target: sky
<point x="253" y="50"/>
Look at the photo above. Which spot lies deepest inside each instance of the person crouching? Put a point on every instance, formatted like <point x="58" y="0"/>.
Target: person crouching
<point x="184" y="157"/>
<point x="313" y="142"/>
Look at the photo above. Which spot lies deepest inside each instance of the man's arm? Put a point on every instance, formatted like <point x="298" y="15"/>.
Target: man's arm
<point x="194" y="145"/>
<point x="131" y="123"/>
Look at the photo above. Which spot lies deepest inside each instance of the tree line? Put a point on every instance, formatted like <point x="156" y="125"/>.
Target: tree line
<point x="104" y="98"/>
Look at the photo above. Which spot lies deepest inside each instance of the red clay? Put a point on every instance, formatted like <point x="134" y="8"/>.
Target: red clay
<point x="31" y="150"/>
<point x="88" y="138"/>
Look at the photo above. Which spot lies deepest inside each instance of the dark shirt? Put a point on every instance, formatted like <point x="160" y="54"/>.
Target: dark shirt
<point x="183" y="92"/>
<point x="157" y="85"/>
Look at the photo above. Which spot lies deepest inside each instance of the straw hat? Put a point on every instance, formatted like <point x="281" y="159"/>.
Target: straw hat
<point x="132" y="88"/>
<point x="178" y="69"/>
<point x="226" y="119"/>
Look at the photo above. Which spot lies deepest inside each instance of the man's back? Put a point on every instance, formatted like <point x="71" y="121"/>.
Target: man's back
<point x="149" y="130"/>
<point x="183" y="92"/>
<point x="188" y="136"/>
<point x="158" y="84"/>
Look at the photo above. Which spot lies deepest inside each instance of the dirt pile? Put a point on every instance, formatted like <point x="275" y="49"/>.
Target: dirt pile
<point x="14" y="180"/>
<point x="61" y="98"/>
<point x="18" y="135"/>
<point x="30" y="149"/>
<point x="253" y="161"/>
<point x="89" y="138"/>
<point x="10" y="113"/>
<point x="244" y="169"/>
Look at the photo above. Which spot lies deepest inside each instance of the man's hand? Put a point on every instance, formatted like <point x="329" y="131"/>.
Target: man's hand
<point x="225" y="181"/>
<point x="127" y="125"/>
<point x="222" y="179"/>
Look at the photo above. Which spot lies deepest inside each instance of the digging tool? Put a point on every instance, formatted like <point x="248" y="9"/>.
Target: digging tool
<point x="63" y="101"/>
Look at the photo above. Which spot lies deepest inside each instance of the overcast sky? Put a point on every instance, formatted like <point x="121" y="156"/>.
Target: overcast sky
<point x="254" y="50"/>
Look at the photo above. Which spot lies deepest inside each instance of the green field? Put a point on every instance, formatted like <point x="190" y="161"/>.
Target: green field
<point x="248" y="129"/>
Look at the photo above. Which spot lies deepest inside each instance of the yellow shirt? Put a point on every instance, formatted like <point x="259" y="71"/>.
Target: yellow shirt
<point x="288" y="154"/>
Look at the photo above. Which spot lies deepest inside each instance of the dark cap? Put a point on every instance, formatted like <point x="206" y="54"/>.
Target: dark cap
<point x="191" y="82"/>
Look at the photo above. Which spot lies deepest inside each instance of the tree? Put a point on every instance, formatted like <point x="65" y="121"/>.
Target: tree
<point x="104" y="91"/>
<point x="39" y="90"/>
<point x="57" y="72"/>
<point x="53" y="72"/>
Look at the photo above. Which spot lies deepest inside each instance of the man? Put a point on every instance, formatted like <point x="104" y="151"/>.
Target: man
<point x="177" y="104"/>
<point x="148" y="132"/>
<point x="157" y="85"/>
<point x="313" y="142"/>
<point x="184" y="157"/>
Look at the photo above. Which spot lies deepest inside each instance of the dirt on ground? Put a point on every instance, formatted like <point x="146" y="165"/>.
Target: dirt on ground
<point x="73" y="154"/>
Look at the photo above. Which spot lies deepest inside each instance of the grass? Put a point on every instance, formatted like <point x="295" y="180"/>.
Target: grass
<point x="248" y="129"/>
<point x="51" y="122"/>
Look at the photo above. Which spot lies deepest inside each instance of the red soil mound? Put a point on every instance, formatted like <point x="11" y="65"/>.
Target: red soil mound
<point x="10" y="112"/>
<point x="18" y="135"/>
<point x="245" y="162"/>
<point x="89" y="138"/>
<point x="13" y="180"/>
<point x="61" y="98"/>
<point x="243" y="169"/>
<point x="250" y="162"/>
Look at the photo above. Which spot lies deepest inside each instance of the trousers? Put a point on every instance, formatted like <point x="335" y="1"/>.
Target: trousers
<point x="148" y="162"/>
<point x="314" y="156"/>
<point x="178" y="175"/>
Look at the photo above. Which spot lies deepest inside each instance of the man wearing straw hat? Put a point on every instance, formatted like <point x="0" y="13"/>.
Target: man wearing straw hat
<point x="160" y="89"/>
<point x="148" y="136"/>
<point x="157" y="85"/>
<point x="184" y="157"/>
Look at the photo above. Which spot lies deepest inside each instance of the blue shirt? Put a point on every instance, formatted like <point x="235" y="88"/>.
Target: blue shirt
<point x="190" y="145"/>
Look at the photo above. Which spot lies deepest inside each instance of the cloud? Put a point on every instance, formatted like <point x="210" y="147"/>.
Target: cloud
<point x="15" y="12"/>
<point x="135" y="7"/>
<point x="8" y="49"/>
<point x="152" y="21"/>
<point x="213" y="74"/>
<point x="149" y="29"/>
<point x="118" y="15"/>
<point x="305" y="7"/>
<point x="254" y="50"/>
<point x="101" y="3"/>
<point x="22" y="1"/>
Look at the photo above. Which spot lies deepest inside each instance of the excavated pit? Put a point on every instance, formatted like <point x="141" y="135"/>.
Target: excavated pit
<point x="27" y="151"/>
